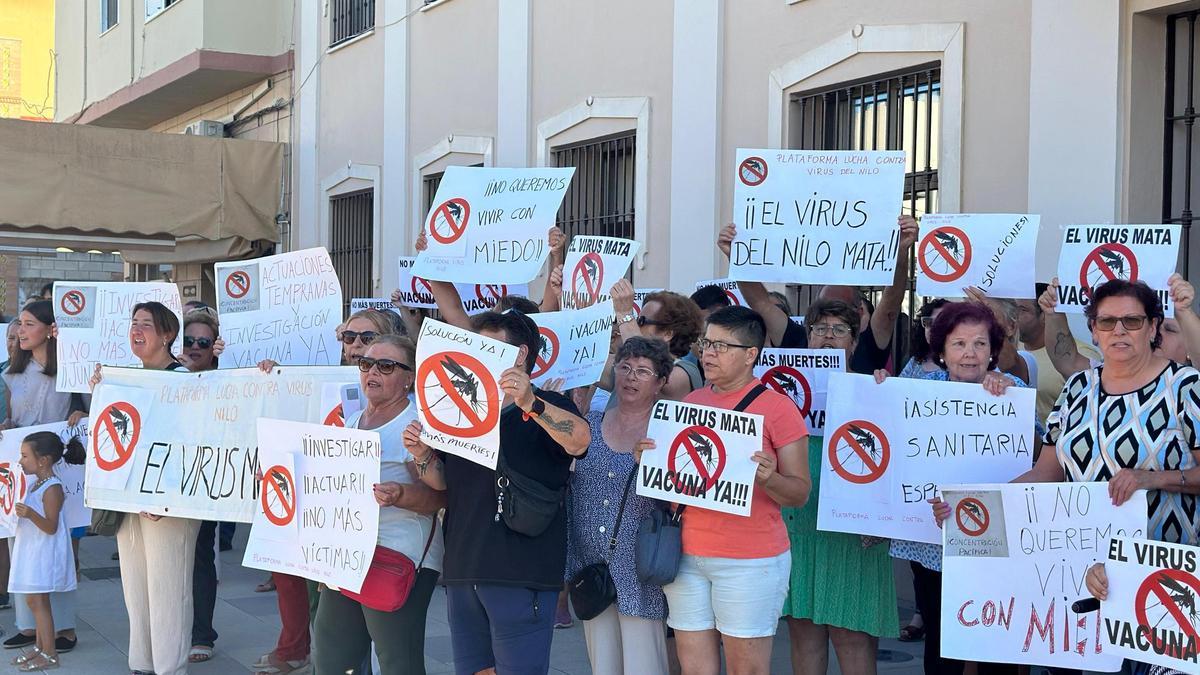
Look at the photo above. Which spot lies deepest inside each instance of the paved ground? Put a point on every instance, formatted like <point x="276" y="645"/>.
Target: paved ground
<point x="248" y="623"/>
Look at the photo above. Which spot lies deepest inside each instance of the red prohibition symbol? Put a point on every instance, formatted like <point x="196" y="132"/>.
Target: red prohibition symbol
<point x="490" y="293"/>
<point x="1168" y="593"/>
<point x="548" y="354"/>
<point x="587" y="279"/>
<point x="467" y="384"/>
<point x="12" y="487"/>
<point x="859" y="452"/>
<point x="1105" y="263"/>
<point x="949" y="249"/>
<point x="449" y="220"/>
<point x="733" y="299"/>
<point x="237" y="284"/>
<point x="972" y="517"/>
<point x="791" y="383"/>
<point x="700" y="448"/>
<point x="118" y="431"/>
<point x="73" y="302"/>
<point x="421" y="290"/>
<point x="335" y="418"/>
<point x="278" y="495"/>
<point x="752" y="171"/>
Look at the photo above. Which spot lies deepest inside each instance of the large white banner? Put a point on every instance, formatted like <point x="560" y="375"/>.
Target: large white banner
<point x="185" y="444"/>
<point x="1094" y="254"/>
<point x="574" y="345"/>
<point x="803" y="376"/>
<point x="416" y="293"/>
<point x="1015" y="559"/>
<point x="14" y="483"/>
<point x="592" y="266"/>
<point x="490" y="225"/>
<point x="93" y="326"/>
<point x="702" y="458"/>
<point x="816" y="217"/>
<point x="284" y="307"/>
<point x="1150" y="615"/>
<point x="989" y="250"/>
<point x="888" y="448"/>
<point x="316" y="516"/>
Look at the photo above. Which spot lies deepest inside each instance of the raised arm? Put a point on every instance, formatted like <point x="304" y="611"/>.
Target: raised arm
<point x="1060" y="344"/>
<point x="552" y="298"/>
<point x="883" y="321"/>
<point x="1183" y="296"/>
<point x="445" y="295"/>
<point x="756" y="294"/>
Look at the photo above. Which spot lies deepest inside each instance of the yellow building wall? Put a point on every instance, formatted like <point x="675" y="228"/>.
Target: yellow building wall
<point x="27" y="59"/>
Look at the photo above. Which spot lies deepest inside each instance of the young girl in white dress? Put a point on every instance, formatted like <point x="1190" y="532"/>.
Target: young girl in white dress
<point x="42" y="561"/>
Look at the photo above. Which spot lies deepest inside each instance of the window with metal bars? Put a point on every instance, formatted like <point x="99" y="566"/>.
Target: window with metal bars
<point x="600" y="198"/>
<point x="351" y="234"/>
<point x="349" y="18"/>
<point x="1179" y="128"/>
<point x="429" y="187"/>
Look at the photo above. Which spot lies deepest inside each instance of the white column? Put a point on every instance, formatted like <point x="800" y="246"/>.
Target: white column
<point x="696" y="55"/>
<point x="306" y="185"/>
<point x="512" y="99"/>
<point x="395" y="229"/>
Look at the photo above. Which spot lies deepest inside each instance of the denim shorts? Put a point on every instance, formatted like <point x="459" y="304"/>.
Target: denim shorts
<point x="505" y="627"/>
<point x="741" y="598"/>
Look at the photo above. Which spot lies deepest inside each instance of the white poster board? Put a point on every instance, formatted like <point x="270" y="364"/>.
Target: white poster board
<point x="14" y="483"/>
<point x="491" y="225"/>
<point x="729" y="286"/>
<point x="703" y="458"/>
<point x="1093" y="254"/>
<point x="1150" y="615"/>
<point x="377" y="304"/>
<point x="1015" y="559"/>
<point x="316" y="516"/>
<point x="416" y="293"/>
<point x="639" y="298"/>
<point x="816" y="217"/>
<point x="93" y="326"/>
<point x="991" y="251"/>
<point x="888" y="448"/>
<point x="803" y="376"/>
<point x="574" y="345"/>
<point x="592" y="266"/>
<point x="284" y="307"/>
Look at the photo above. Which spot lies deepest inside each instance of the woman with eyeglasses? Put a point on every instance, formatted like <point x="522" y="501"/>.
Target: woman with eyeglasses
<point x="359" y="331"/>
<point x="629" y="636"/>
<point x="666" y="316"/>
<point x="344" y="629"/>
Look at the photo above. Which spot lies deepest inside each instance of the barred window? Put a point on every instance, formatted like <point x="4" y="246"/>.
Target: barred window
<point x="600" y="198"/>
<point x="350" y="18"/>
<point x="351" y="232"/>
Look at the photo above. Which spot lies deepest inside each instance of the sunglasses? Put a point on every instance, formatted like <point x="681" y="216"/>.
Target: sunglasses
<point x="385" y="366"/>
<point x="643" y="321"/>
<point x="366" y="337"/>
<point x="202" y="343"/>
<point x="1131" y="322"/>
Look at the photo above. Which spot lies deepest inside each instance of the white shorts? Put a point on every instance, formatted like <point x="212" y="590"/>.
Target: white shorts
<point x="741" y="598"/>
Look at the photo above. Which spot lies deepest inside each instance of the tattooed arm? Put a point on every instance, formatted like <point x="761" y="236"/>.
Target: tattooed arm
<point x="566" y="428"/>
<point x="1060" y="344"/>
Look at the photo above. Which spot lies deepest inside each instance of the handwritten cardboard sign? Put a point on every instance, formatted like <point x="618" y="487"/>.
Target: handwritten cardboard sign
<point x="592" y="266"/>
<point x="888" y="448"/>
<point x="574" y="345"/>
<point x="377" y="304"/>
<point x="1150" y="615"/>
<point x="316" y="515"/>
<point x="1094" y="254"/>
<point x="803" y="376"/>
<point x="729" y="286"/>
<point x="816" y="217"/>
<point x="14" y="483"/>
<point x="490" y="225"/>
<point x="93" y="326"/>
<point x="1016" y="556"/>
<point x="988" y="250"/>
<point x="415" y="292"/>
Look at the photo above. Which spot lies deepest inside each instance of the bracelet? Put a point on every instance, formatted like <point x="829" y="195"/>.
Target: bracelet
<point x="1182" y="478"/>
<point x="423" y="464"/>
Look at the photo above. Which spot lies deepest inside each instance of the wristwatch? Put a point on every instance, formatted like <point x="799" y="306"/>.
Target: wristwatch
<point x="536" y="410"/>
<point x="626" y="319"/>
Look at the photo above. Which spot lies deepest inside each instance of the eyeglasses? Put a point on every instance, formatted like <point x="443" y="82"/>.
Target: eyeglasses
<point x="202" y="343"/>
<point x="386" y="366"/>
<point x="718" y="346"/>
<point x="643" y="321"/>
<point x="643" y="374"/>
<point x="1131" y="322"/>
<point x="364" y="338"/>
<point x="826" y="330"/>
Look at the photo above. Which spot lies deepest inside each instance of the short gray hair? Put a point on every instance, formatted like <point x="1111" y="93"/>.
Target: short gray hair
<point x="654" y="350"/>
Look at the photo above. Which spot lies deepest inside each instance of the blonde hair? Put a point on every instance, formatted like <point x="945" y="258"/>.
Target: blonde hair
<point x="383" y="325"/>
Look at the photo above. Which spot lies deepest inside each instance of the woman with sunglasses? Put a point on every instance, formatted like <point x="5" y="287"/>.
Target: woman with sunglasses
<point x="344" y="628"/>
<point x="666" y="316"/>
<point x="359" y="331"/>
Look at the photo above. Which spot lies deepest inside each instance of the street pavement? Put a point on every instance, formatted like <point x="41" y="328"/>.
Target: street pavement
<point x="248" y="624"/>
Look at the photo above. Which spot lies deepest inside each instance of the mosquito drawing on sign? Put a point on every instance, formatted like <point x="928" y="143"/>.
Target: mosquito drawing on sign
<point x="704" y="448"/>
<point x="592" y="270"/>
<point x="466" y="384"/>
<point x="1114" y="266"/>
<point x="866" y="440"/>
<point x="1182" y="596"/>
<point x="974" y="510"/>
<point x="282" y="482"/>
<point x="786" y="383"/>
<point x="120" y="422"/>
<point x="950" y="242"/>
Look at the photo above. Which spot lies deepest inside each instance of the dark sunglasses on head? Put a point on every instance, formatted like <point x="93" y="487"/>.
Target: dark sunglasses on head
<point x="366" y="337"/>
<point x="386" y="366"/>
<point x="202" y="343"/>
<point x="643" y="321"/>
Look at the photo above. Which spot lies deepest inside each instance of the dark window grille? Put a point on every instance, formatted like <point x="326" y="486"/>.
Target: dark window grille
<point x="350" y="18"/>
<point x="429" y="187"/>
<point x="351" y="233"/>
<point x="600" y="198"/>
<point x="1178" y="130"/>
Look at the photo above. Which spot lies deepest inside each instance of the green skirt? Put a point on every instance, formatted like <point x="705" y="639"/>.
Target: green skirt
<point x="835" y="581"/>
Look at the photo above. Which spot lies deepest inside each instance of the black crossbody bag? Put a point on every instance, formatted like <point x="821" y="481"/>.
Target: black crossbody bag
<point x="592" y="589"/>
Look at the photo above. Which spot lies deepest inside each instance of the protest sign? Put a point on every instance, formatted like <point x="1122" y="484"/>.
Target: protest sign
<point x="183" y="444"/>
<point x="1094" y="254"/>
<point x="639" y="298"/>
<point x="592" y="266"/>
<point x="888" y="448"/>
<point x="803" y="376"/>
<point x="703" y="457"/>
<point x="991" y="251"/>
<point x="316" y="515"/>
<point x="729" y="286"/>
<point x="93" y="326"/>
<point x="458" y="391"/>
<point x="1015" y="559"/>
<point x="14" y="483"/>
<point x="377" y="304"/>
<point x="1150" y="615"/>
<point x="574" y="345"/>
<point x="415" y="292"/>
<point x="491" y="225"/>
<point x="816" y="217"/>
<point x="284" y="307"/>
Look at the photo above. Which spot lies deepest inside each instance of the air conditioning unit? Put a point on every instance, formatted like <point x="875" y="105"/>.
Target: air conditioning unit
<point x="205" y="128"/>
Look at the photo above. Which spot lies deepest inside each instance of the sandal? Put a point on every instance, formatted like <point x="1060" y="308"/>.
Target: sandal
<point x="34" y="661"/>
<point x="911" y="633"/>
<point x="277" y="667"/>
<point x="265" y="587"/>
<point x="200" y="653"/>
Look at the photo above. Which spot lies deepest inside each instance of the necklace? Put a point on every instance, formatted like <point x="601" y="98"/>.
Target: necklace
<point x="40" y="483"/>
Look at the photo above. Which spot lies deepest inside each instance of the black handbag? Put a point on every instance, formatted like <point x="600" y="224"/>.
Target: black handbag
<point x="526" y="506"/>
<point x="592" y="589"/>
<point x="659" y="546"/>
<point x="105" y="523"/>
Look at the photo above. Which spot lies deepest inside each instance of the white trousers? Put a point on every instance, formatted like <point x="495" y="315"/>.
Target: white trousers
<point x="625" y="645"/>
<point x="157" y="558"/>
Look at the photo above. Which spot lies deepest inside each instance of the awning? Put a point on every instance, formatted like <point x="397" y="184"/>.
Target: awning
<point x="71" y="185"/>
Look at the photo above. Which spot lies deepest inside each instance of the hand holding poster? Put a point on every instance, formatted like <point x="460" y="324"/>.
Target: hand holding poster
<point x="889" y="446"/>
<point x="729" y="286"/>
<point x="458" y="391"/>
<point x="816" y="217"/>
<point x="1150" y="615"/>
<point x="14" y="482"/>
<point x="93" y="326"/>
<point x="702" y="458"/>
<point x="316" y="514"/>
<point x="415" y="292"/>
<point x="574" y="345"/>
<point x="592" y="266"/>
<point x="284" y="307"/>
<point x="1016" y="557"/>
<point x="803" y="376"/>
<point x="490" y="225"/>
<point x="991" y="251"/>
<point x="1094" y="254"/>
